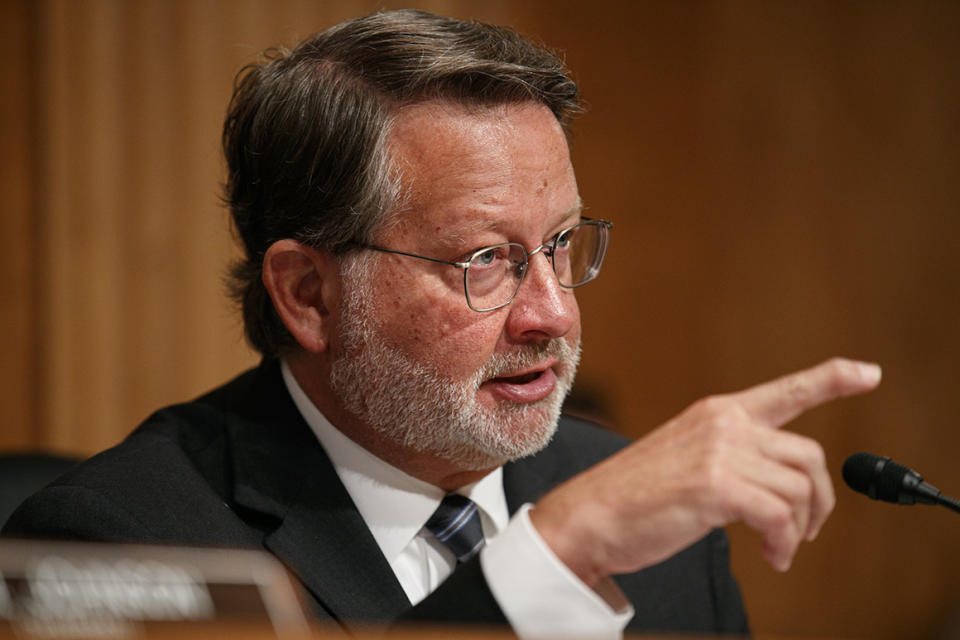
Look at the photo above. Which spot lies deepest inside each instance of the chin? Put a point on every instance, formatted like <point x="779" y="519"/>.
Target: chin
<point x="514" y="432"/>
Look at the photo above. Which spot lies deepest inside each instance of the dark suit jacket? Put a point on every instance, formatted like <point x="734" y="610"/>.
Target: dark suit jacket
<point x="239" y="467"/>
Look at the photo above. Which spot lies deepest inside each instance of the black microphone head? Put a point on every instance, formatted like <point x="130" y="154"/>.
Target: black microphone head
<point x="860" y="471"/>
<point x="878" y="477"/>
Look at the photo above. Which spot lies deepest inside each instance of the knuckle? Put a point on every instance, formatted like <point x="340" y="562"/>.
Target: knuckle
<point x="829" y="501"/>
<point x="840" y="370"/>
<point x="798" y="389"/>
<point x="836" y="366"/>
<point x="835" y="361"/>
<point x="814" y="455"/>
<point x="720" y="413"/>
<point x="712" y="405"/>
<point x="839" y="365"/>
<point x="780" y="516"/>
<point x="807" y="453"/>
<point x="801" y="489"/>
<point x="719" y="423"/>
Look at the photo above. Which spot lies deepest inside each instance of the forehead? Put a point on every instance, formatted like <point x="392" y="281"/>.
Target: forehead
<point x="466" y="170"/>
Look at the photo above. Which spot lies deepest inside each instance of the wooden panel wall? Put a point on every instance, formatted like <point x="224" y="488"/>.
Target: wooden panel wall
<point x="784" y="179"/>
<point x="18" y="284"/>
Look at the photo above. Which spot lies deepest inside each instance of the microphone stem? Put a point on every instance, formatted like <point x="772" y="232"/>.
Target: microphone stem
<point x="949" y="503"/>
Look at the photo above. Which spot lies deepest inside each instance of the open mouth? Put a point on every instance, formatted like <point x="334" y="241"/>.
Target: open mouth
<point x="531" y="386"/>
<point x="523" y="379"/>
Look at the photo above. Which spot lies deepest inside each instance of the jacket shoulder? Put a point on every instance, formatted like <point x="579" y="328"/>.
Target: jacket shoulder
<point x="168" y="481"/>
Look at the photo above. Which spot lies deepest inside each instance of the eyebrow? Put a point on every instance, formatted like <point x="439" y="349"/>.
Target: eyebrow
<point x="576" y="209"/>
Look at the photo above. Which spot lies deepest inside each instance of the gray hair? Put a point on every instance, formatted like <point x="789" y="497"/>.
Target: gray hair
<point x="305" y="135"/>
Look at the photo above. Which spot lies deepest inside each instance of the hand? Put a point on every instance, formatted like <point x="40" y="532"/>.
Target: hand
<point x="722" y="460"/>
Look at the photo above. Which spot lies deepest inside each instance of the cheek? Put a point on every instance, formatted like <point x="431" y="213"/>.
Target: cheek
<point x="400" y="309"/>
<point x="436" y="328"/>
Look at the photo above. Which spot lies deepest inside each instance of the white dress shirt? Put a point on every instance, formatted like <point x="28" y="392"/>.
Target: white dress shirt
<point x="539" y="595"/>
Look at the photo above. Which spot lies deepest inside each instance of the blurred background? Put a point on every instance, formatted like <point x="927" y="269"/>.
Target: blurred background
<point x="784" y="179"/>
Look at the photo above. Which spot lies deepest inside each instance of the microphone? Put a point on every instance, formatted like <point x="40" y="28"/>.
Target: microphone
<point x="881" y="478"/>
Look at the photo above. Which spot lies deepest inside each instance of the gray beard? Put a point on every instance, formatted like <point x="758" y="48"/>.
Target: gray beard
<point x="419" y="409"/>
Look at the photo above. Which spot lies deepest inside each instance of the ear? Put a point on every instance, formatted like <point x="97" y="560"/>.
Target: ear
<point x="303" y="283"/>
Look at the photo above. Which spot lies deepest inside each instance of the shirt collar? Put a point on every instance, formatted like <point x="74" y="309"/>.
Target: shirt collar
<point x="393" y="504"/>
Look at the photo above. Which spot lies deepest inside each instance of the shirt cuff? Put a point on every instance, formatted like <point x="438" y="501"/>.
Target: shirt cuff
<point x="539" y="595"/>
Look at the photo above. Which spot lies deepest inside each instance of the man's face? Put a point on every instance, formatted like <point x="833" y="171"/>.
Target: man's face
<point x="412" y="360"/>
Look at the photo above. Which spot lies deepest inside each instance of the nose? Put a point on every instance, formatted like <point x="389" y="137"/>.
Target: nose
<point x="542" y="309"/>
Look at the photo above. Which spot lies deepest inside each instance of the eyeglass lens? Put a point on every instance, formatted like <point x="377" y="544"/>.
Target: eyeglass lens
<point x="494" y="274"/>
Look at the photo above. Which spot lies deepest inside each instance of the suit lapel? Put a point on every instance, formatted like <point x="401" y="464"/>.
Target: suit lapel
<point x="284" y="480"/>
<point x="326" y="543"/>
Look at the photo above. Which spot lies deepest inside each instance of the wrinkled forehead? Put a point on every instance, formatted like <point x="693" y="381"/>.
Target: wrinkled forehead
<point x="469" y="168"/>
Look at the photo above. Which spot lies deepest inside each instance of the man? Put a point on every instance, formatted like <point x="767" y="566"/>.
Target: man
<point x="413" y="235"/>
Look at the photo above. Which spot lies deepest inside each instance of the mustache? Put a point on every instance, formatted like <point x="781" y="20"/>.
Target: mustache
<point x="526" y="356"/>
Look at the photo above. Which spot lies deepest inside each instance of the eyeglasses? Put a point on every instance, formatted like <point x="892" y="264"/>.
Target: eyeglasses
<point x="492" y="275"/>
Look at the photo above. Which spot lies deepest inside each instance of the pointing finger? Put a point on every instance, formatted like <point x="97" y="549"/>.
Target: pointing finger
<point x="780" y="401"/>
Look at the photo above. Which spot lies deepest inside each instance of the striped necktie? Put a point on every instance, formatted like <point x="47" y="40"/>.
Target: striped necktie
<point x="456" y="523"/>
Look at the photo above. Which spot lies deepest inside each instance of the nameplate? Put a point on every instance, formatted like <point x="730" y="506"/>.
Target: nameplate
<point x="96" y="590"/>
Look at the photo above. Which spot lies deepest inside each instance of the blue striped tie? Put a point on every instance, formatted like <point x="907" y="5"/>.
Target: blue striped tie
<point x="456" y="523"/>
